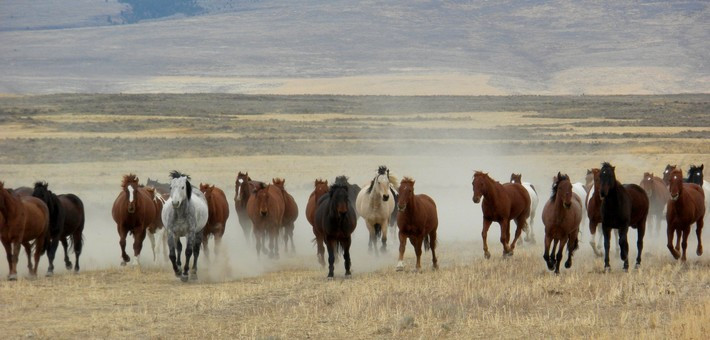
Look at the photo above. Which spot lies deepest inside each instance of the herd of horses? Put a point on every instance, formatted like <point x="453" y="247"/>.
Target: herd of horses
<point x="38" y="220"/>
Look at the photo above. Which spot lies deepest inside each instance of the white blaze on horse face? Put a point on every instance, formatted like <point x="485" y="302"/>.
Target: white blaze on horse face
<point x="130" y="193"/>
<point x="239" y="189"/>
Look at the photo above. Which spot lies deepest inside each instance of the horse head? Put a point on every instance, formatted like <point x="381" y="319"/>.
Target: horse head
<point x="339" y="202"/>
<point x="607" y="178"/>
<point x="675" y="181"/>
<point x="695" y="174"/>
<point x="320" y="188"/>
<point x="41" y="191"/>
<point x="589" y="179"/>
<point x="180" y="188"/>
<point x="406" y="193"/>
<point x="667" y="173"/>
<point x="562" y="190"/>
<point x="279" y="182"/>
<point x="242" y="185"/>
<point x="262" y="199"/>
<point x="516" y="178"/>
<point x="381" y="183"/>
<point x="647" y="183"/>
<point x="129" y="185"/>
<point x="206" y="189"/>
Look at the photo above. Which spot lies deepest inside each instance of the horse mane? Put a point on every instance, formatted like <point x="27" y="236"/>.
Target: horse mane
<point x="41" y="184"/>
<point x="408" y="180"/>
<point x="128" y="179"/>
<point x="177" y="174"/>
<point x="342" y="180"/>
<point x="555" y="185"/>
<point x="382" y="170"/>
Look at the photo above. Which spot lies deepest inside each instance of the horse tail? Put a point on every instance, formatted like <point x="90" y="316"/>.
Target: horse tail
<point x="427" y="246"/>
<point x="77" y="243"/>
<point x="378" y="230"/>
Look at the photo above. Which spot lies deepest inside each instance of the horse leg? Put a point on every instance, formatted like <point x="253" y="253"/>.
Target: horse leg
<point x="290" y="236"/>
<point x="10" y="260"/>
<point x="258" y="238"/>
<point x="505" y="236"/>
<point x="151" y="238"/>
<point x="51" y="253"/>
<point x="572" y="245"/>
<point x="641" y="232"/>
<point x="684" y="244"/>
<point x="78" y="245"/>
<point x="624" y="245"/>
<point x="274" y="242"/>
<point x="698" y="232"/>
<point x="402" y="248"/>
<point x="179" y="252"/>
<point x="217" y="245"/>
<point x="669" y="233"/>
<point x="530" y="231"/>
<point x="28" y="251"/>
<point x="122" y="242"/>
<point x="39" y="249"/>
<point x="520" y="224"/>
<point x="346" y="256"/>
<point x="385" y="225"/>
<point x="596" y="245"/>
<point x="65" y="246"/>
<point x="138" y="238"/>
<point x="189" y="247"/>
<point x="205" y="238"/>
<point x="321" y="249"/>
<point x="172" y="244"/>
<point x="560" y="252"/>
<point x="607" y="239"/>
<point x="432" y="246"/>
<point x="484" y="235"/>
<point x="545" y="255"/>
<point x="196" y="251"/>
<point x="616" y="234"/>
<point x="417" y="244"/>
<point x="330" y="244"/>
<point x="679" y="237"/>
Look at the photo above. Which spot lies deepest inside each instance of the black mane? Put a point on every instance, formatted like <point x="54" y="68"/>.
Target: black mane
<point x="177" y="174"/>
<point x="692" y="177"/>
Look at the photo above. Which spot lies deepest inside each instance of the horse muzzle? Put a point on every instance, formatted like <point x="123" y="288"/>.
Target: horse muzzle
<point x="385" y="198"/>
<point x="401" y="207"/>
<point x="176" y="204"/>
<point x="567" y="205"/>
<point x="476" y="199"/>
<point x="263" y="213"/>
<point x="131" y="209"/>
<point x="675" y="197"/>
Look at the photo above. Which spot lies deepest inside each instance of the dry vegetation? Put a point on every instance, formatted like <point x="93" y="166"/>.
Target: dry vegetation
<point x="83" y="144"/>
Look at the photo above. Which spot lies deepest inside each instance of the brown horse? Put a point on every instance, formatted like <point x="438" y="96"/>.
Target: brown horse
<point x="685" y="207"/>
<point x="244" y="187"/>
<point x="159" y="199"/>
<point x="23" y="219"/>
<point x="290" y="213"/>
<point x="417" y="220"/>
<point x="594" y="213"/>
<point x="502" y="203"/>
<point x="217" y="212"/>
<point x="561" y="215"/>
<point x="667" y="174"/>
<point x="658" y="197"/>
<point x="266" y="210"/>
<point x="320" y="189"/>
<point x="134" y="211"/>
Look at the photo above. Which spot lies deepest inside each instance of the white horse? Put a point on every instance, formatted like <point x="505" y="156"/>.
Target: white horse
<point x="375" y="204"/>
<point x="534" y="200"/>
<point x="582" y="191"/>
<point x="184" y="215"/>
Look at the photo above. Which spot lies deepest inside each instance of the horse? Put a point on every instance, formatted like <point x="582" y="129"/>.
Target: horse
<point x="68" y="211"/>
<point x="502" y="203"/>
<point x="594" y="215"/>
<point x="658" y="196"/>
<point x="685" y="207"/>
<point x="134" y="212"/>
<point x="290" y="213"/>
<point x="266" y="210"/>
<point x="582" y="191"/>
<point x="561" y="215"/>
<point x="21" y="191"/>
<point x="622" y="206"/>
<point x="529" y="232"/>
<point x="375" y="207"/>
<point x="695" y="175"/>
<point x="667" y="174"/>
<point x="335" y="219"/>
<point x="162" y="188"/>
<point x="320" y="188"/>
<point x="157" y="225"/>
<point x="184" y="215"/>
<point x="244" y="187"/>
<point x="417" y="220"/>
<point x="23" y="219"/>
<point x="217" y="215"/>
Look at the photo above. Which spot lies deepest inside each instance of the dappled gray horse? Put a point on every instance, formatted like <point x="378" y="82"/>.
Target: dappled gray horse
<point x="184" y="215"/>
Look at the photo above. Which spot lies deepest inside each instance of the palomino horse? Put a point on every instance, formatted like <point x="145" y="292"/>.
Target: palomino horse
<point x="561" y="215"/>
<point x="529" y="231"/>
<point x="375" y="206"/>
<point x="685" y="207"/>
<point x="244" y="187"/>
<point x="134" y="212"/>
<point x="67" y="210"/>
<point x="290" y="213"/>
<point x="184" y="215"/>
<point x="266" y="211"/>
<point x="695" y="175"/>
<point x="594" y="214"/>
<point x="320" y="189"/>
<point x="622" y="206"/>
<point x="23" y="219"/>
<point x="336" y="220"/>
<point x="157" y="225"/>
<point x="217" y="212"/>
<point x="501" y="203"/>
<point x="658" y="197"/>
<point x="417" y="220"/>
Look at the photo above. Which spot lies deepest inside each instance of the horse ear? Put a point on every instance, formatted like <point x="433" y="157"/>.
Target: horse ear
<point x="701" y="167"/>
<point x="188" y="189"/>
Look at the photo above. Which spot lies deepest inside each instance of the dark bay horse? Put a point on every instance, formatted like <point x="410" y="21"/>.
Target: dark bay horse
<point x="266" y="210"/>
<point x="695" y="175"/>
<point x="594" y="213"/>
<point x="667" y="174"/>
<point x="417" y="220"/>
<point x="622" y="206"/>
<point x="134" y="212"/>
<point x="24" y="221"/>
<point x="658" y="197"/>
<point x="502" y="203"/>
<point x="320" y="189"/>
<point x="290" y="213"/>
<point x="685" y="207"/>
<point x="66" y="220"/>
<point x="218" y="213"/>
<point x="561" y="215"/>
<point x="336" y="220"/>
<point x="244" y="186"/>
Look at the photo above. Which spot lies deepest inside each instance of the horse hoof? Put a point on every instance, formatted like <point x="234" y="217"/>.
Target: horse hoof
<point x="699" y="252"/>
<point x="348" y="275"/>
<point x="399" y="268"/>
<point x="183" y="278"/>
<point x="487" y="255"/>
<point x="49" y="274"/>
<point x="123" y="263"/>
<point x="568" y="265"/>
<point x="607" y="269"/>
<point x="12" y="277"/>
<point x="330" y="278"/>
<point x="193" y="277"/>
<point x="637" y="266"/>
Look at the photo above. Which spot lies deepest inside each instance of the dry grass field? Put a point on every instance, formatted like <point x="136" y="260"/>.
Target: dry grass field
<point x="84" y="143"/>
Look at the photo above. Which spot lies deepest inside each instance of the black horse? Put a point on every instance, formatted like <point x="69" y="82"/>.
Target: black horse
<point x="336" y="219"/>
<point x="66" y="219"/>
<point x="695" y="174"/>
<point x="622" y="206"/>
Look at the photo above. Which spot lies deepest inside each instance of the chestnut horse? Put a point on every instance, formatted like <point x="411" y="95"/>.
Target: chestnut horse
<point x="320" y="189"/>
<point x="159" y="199"/>
<point x="244" y="187"/>
<point x="417" y="220"/>
<point x="66" y="219"/>
<point x="23" y="219"/>
<point x="594" y="214"/>
<point x="134" y="212"/>
<point x="266" y="211"/>
<point x="658" y="197"/>
<point x="336" y="220"/>
<point x="290" y="213"/>
<point x="667" y="174"/>
<point x="502" y="203"/>
<point x="561" y="215"/>
<point x="534" y="201"/>
<point x="622" y="206"/>
<point x="217" y="212"/>
<point x="685" y="207"/>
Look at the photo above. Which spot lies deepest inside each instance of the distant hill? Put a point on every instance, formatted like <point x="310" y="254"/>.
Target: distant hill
<point x="356" y="47"/>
